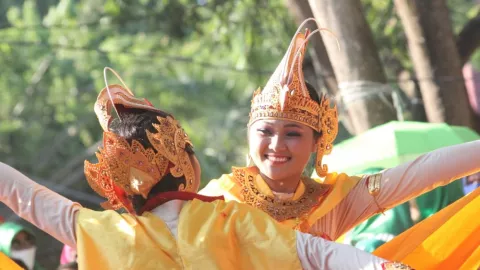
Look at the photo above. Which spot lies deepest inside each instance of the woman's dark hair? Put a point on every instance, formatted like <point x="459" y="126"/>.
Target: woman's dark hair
<point x="311" y="163"/>
<point x="313" y="92"/>
<point x="315" y="96"/>
<point x="133" y="126"/>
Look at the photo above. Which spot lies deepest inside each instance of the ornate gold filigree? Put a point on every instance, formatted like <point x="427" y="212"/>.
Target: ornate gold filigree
<point x="280" y="210"/>
<point x="116" y="160"/>
<point x="374" y="184"/>
<point x="286" y="96"/>
<point x="329" y="129"/>
<point x="171" y="140"/>
<point x="396" y="266"/>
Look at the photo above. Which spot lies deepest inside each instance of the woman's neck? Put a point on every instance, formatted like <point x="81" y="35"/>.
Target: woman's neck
<point x="288" y="185"/>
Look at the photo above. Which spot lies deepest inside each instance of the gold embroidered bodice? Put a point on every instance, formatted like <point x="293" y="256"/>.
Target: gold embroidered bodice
<point x="281" y="210"/>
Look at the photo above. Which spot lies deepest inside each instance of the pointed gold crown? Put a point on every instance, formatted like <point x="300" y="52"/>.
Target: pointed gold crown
<point x="286" y="97"/>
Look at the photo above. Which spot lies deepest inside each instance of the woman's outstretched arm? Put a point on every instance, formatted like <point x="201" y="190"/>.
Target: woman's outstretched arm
<point x="49" y="211"/>
<point x="387" y="189"/>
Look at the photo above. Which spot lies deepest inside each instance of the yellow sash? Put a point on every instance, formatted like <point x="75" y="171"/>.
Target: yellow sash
<point x="342" y="185"/>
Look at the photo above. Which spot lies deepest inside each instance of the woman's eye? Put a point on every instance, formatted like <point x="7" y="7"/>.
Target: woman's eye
<point x="294" y="134"/>
<point x="264" y="131"/>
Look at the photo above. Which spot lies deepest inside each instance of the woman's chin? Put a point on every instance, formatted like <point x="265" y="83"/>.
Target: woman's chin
<point x="276" y="174"/>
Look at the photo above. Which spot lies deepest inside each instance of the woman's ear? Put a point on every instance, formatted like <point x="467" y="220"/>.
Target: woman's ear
<point x="316" y="141"/>
<point x="315" y="145"/>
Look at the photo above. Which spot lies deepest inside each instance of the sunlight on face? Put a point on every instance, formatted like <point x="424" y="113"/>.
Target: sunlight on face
<point x="280" y="148"/>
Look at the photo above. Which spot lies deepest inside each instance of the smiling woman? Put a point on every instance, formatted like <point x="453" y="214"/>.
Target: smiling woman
<point x="281" y="149"/>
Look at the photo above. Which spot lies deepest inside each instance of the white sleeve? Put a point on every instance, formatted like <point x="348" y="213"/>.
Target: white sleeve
<point x="317" y="253"/>
<point x="49" y="211"/>
<point x="437" y="168"/>
<point x="400" y="184"/>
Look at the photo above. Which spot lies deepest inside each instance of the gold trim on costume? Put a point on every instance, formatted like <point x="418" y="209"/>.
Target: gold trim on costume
<point x="374" y="184"/>
<point x="396" y="266"/>
<point x="280" y="210"/>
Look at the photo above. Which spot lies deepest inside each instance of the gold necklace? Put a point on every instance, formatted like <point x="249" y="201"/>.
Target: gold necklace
<point x="280" y="210"/>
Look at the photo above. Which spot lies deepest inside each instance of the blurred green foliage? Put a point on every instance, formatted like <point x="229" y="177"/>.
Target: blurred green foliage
<point x="200" y="61"/>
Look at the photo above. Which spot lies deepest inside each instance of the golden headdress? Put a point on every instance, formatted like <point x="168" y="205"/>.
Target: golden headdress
<point x="286" y="97"/>
<point x="125" y="169"/>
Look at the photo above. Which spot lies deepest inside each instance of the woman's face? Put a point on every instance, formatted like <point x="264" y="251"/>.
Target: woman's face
<point x="280" y="148"/>
<point x="23" y="240"/>
<point x="23" y="248"/>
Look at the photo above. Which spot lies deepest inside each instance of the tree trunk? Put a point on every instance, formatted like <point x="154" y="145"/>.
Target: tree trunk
<point x="410" y="87"/>
<point x="356" y="61"/>
<point x="436" y="60"/>
<point x="321" y="63"/>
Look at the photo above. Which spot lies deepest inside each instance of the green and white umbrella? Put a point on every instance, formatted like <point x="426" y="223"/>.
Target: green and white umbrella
<point x="394" y="143"/>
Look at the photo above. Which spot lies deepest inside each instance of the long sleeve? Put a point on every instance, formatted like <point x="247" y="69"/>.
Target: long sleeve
<point x="400" y="184"/>
<point x="49" y="211"/>
<point x="317" y="253"/>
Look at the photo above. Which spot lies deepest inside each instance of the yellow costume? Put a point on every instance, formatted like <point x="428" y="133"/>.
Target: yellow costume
<point x="7" y="264"/>
<point x="214" y="235"/>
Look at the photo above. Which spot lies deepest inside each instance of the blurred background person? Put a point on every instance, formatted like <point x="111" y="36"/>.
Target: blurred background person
<point x="19" y="243"/>
<point x="470" y="183"/>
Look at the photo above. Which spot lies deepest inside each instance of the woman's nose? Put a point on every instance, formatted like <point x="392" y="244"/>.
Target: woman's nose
<point x="277" y="143"/>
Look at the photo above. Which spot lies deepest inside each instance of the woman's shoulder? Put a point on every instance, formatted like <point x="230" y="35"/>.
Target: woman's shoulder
<point x="226" y="183"/>
<point x="334" y="178"/>
<point x="87" y="217"/>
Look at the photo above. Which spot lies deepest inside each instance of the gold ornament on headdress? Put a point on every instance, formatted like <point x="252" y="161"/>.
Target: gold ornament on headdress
<point x="286" y="97"/>
<point x="126" y="169"/>
<point x="171" y="140"/>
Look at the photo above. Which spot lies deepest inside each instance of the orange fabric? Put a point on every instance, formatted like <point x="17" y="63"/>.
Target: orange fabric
<point x="450" y="239"/>
<point x="7" y="264"/>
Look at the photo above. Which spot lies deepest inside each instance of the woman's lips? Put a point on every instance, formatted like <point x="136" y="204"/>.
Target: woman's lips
<point x="277" y="159"/>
